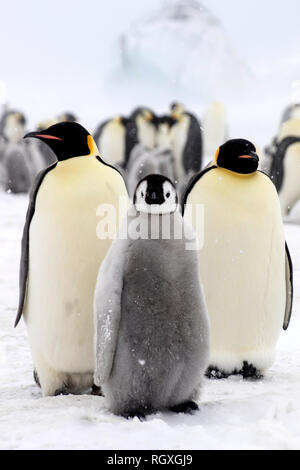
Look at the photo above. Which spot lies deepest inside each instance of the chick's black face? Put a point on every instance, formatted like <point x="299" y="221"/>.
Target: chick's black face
<point x="238" y="155"/>
<point x="66" y="139"/>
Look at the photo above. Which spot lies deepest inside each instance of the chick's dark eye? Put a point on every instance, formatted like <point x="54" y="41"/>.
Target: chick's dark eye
<point x="168" y="194"/>
<point x="142" y="194"/>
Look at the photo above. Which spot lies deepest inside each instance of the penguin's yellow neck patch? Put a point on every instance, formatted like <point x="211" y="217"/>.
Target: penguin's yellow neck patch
<point x="216" y="155"/>
<point x="92" y="146"/>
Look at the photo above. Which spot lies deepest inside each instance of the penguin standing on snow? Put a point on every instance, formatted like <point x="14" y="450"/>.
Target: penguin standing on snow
<point x="186" y="138"/>
<point x="285" y="167"/>
<point x="61" y="255"/>
<point x="116" y="138"/>
<point x="151" y="323"/>
<point x="146" y="125"/>
<point x="246" y="269"/>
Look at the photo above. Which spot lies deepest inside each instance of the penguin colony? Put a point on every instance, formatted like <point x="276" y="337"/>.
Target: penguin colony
<point x="142" y="318"/>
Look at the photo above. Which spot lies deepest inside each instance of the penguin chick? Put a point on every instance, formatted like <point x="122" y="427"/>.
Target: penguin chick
<point x="246" y="268"/>
<point x="152" y="332"/>
<point x="61" y="255"/>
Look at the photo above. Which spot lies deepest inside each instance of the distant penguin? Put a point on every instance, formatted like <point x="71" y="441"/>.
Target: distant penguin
<point x="12" y="126"/>
<point x="116" y="138"/>
<point x="285" y="167"/>
<point x="159" y="161"/>
<point x="164" y="127"/>
<point x="19" y="167"/>
<point x="61" y="255"/>
<point x="151" y="323"/>
<point x="186" y="138"/>
<point x="215" y="130"/>
<point x="246" y="268"/>
<point x="291" y="112"/>
<point x="146" y="125"/>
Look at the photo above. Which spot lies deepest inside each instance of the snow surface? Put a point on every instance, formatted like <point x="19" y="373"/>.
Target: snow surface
<point x="234" y="414"/>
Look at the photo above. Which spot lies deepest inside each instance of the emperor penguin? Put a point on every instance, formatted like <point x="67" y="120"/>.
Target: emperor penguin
<point x="116" y="138"/>
<point x="291" y="112"/>
<point x="186" y="137"/>
<point x="12" y="126"/>
<point x="19" y="165"/>
<point x="61" y="255"/>
<point x="164" y="128"/>
<point x="146" y="125"/>
<point x="151" y="321"/>
<point x="285" y="167"/>
<point x="246" y="269"/>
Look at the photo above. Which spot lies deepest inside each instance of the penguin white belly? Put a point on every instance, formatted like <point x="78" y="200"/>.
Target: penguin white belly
<point x="146" y="132"/>
<point x="290" y="191"/>
<point x="112" y="143"/>
<point x="64" y="258"/>
<point x="242" y="267"/>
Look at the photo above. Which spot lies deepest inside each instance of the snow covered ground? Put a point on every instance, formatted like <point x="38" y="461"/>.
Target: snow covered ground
<point x="234" y="414"/>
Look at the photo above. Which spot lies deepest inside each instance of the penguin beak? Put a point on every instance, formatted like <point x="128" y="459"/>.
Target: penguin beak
<point x="251" y="156"/>
<point x="41" y="136"/>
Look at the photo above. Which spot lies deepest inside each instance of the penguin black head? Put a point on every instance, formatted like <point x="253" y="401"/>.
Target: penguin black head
<point x="145" y="113"/>
<point x="155" y="194"/>
<point x="237" y="155"/>
<point x="177" y="110"/>
<point x="67" y="140"/>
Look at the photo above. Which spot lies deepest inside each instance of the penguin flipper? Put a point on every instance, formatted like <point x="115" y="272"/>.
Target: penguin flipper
<point x="24" y="262"/>
<point x="107" y="309"/>
<point x="289" y="288"/>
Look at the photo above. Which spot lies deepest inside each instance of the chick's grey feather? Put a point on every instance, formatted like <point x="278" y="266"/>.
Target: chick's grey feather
<point x="152" y="333"/>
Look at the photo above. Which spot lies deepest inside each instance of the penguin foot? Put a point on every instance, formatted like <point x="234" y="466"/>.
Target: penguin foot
<point x="185" y="407"/>
<point x="36" y="378"/>
<point x="97" y="391"/>
<point x="250" y="372"/>
<point x="215" y="373"/>
<point x="135" y="414"/>
<point x="61" y="391"/>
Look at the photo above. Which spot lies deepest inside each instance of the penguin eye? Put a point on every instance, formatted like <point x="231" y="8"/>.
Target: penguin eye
<point x="168" y="194"/>
<point x="142" y="194"/>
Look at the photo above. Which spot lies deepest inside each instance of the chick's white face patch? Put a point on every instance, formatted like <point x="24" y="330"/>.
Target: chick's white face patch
<point x="168" y="205"/>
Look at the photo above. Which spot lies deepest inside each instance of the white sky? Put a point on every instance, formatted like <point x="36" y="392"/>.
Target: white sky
<point x="54" y="54"/>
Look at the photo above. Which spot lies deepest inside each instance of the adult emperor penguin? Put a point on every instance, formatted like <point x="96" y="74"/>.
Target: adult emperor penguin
<point x="245" y="264"/>
<point x="146" y="124"/>
<point x="116" y="138"/>
<point x="151" y="322"/>
<point x="164" y="128"/>
<point x="61" y="255"/>
<point x="186" y="137"/>
<point x="285" y="167"/>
